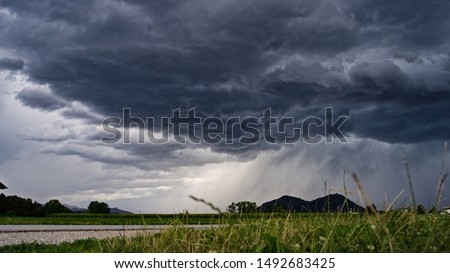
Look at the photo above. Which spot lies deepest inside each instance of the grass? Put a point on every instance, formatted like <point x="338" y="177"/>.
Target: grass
<point x="111" y="219"/>
<point x="396" y="231"/>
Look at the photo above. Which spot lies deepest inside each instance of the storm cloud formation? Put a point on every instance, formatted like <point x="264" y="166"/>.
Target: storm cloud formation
<point x="231" y="57"/>
<point x="385" y="64"/>
<point x="11" y="64"/>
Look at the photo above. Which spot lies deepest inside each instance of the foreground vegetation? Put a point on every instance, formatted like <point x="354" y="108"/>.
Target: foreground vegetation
<point x="398" y="231"/>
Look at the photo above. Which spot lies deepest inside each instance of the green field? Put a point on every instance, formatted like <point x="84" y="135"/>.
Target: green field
<point x="112" y="219"/>
<point x="325" y="232"/>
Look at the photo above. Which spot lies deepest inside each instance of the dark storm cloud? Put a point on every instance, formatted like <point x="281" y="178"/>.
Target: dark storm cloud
<point x="233" y="58"/>
<point x="40" y="99"/>
<point x="411" y="24"/>
<point x="379" y="77"/>
<point x="82" y="114"/>
<point x="408" y="56"/>
<point x="11" y="64"/>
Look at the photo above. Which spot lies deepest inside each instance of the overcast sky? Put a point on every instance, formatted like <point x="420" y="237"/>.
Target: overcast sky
<point x="67" y="65"/>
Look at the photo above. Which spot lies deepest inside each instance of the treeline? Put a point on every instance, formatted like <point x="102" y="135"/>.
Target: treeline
<point x="18" y="206"/>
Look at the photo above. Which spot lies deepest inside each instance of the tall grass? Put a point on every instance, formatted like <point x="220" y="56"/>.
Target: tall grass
<point x="441" y="180"/>
<point x="396" y="231"/>
<point x="442" y="177"/>
<point x="410" y="183"/>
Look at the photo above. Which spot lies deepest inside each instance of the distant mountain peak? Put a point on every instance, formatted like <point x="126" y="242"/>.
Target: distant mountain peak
<point x="330" y="203"/>
<point x="75" y="209"/>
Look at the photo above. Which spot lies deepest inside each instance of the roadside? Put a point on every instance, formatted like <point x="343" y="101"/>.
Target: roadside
<point x="56" y="234"/>
<point x="57" y="237"/>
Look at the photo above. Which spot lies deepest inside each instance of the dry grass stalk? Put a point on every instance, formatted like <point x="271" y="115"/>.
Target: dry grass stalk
<point x="211" y="205"/>
<point x="410" y="184"/>
<point x="389" y="207"/>
<point x="442" y="177"/>
<point x="363" y="194"/>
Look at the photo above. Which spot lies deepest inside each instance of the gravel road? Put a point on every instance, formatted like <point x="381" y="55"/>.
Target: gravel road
<point x="56" y="237"/>
<point x="55" y="234"/>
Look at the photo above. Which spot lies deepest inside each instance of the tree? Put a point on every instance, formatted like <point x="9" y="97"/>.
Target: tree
<point x="232" y="208"/>
<point x="18" y="206"/>
<point x="54" y="206"/>
<point x="98" y="207"/>
<point x="38" y="209"/>
<point x="242" y="207"/>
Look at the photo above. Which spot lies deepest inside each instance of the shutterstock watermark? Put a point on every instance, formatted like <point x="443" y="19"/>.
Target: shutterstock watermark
<point x="188" y="127"/>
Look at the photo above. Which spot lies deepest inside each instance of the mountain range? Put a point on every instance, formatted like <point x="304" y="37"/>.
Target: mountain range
<point x="76" y="209"/>
<point x="328" y="203"/>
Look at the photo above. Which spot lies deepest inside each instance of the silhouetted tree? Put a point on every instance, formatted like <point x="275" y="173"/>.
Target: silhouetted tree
<point x="18" y="206"/>
<point x="232" y="208"/>
<point x="98" y="207"/>
<point x="38" y="209"/>
<point x="242" y="207"/>
<point x="54" y="206"/>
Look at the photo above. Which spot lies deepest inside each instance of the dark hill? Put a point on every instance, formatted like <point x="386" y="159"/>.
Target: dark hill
<point x="329" y="203"/>
<point x="285" y="203"/>
<point x="118" y="211"/>
<point x="76" y="209"/>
